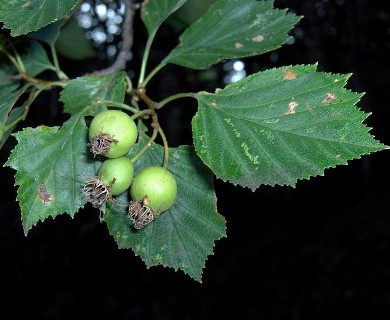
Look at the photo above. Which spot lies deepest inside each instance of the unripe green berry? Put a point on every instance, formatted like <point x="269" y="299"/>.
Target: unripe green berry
<point x="117" y="174"/>
<point x="117" y="129"/>
<point x="156" y="186"/>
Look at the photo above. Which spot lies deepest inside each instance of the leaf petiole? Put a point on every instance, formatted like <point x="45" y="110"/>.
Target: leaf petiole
<point x="145" y="59"/>
<point x="17" y="62"/>
<point x="60" y="74"/>
<point x="166" y="148"/>
<point x="145" y="147"/>
<point x="151" y="75"/>
<point x="109" y="103"/>
<point x="129" y="84"/>
<point x="174" y="97"/>
<point x="141" y="113"/>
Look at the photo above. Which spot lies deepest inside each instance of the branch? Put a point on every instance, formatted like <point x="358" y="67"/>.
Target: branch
<point x="127" y="42"/>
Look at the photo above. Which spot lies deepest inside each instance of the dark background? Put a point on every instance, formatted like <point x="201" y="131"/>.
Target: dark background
<point x="317" y="251"/>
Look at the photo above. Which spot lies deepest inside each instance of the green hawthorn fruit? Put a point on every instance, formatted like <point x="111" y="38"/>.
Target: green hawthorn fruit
<point x="112" y="133"/>
<point x="117" y="174"/>
<point x="157" y="188"/>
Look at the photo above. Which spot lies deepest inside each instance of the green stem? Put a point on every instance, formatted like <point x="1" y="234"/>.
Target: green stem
<point x="114" y="104"/>
<point x="174" y="97"/>
<point x="61" y="75"/>
<point x="151" y="75"/>
<point x="145" y="147"/>
<point x="166" y="148"/>
<point x="13" y="60"/>
<point x="16" y="60"/>
<point x="43" y="84"/>
<point x="50" y="84"/>
<point x="20" y="65"/>
<point x="141" y="114"/>
<point x="145" y="58"/>
<point x="129" y="88"/>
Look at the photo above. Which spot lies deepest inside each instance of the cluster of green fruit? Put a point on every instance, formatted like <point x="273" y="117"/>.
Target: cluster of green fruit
<point x="153" y="190"/>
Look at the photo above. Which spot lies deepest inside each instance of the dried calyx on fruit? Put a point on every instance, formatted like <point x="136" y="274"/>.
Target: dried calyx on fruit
<point x="114" y="177"/>
<point x="140" y="214"/>
<point x="153" y="191"/>
<point x="96" y="192"/>
<point x="101" y="144"/>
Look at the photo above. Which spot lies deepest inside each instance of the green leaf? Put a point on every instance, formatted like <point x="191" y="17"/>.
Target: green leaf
<point x="183" y="236"/>
<point x="48" y="34"/>
<point x="8" y="98"/>
<point x="52" y="164"/>
<point x="8" y="113"/>
<point x="90" y="91"/>
<point x="35" y="58"/>
<point x="22" y="16"/>
<point x="3" y="44"/>
<point x="35" y="61"/>
<point x="279" y="126"/>
<point x="7" y="69"/>
<point x="12" y="122"/>
<point x="189" y="13"/>
<point x="232" y="29"/>
<point x="154" y="13"/>
<point x="10" y="94"/>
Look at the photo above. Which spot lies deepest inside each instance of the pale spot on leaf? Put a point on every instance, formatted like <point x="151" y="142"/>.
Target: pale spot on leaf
<point x="289" y="75"/>
<point x="329" y="98"/>
<point x="231" y="124"/>
<point x="238" y="45"/>
<point x="252" y="158"/>
<point x="158" y="258"/>
<point x="258" y="38"/>
<point x="44" y="196"/>
<point x="291" y="107"/>
<point x="27" y="4"/>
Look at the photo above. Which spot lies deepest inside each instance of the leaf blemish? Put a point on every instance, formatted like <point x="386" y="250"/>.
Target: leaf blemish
<point x="329" y="98"/>
<point x="236" y="132"/>
<point x="238" y="45"/>
<point x="27" y="4"/>
<point x="203" y="147"/>
<point x="258" y="38"/>
<point x="252" y="158"/>
<point x="44" y="196"/>
<point x="291" y="107"/>
<point x="256" y="22"/>
<point x="289" y="75"/>
<point x="158" y="258"/>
